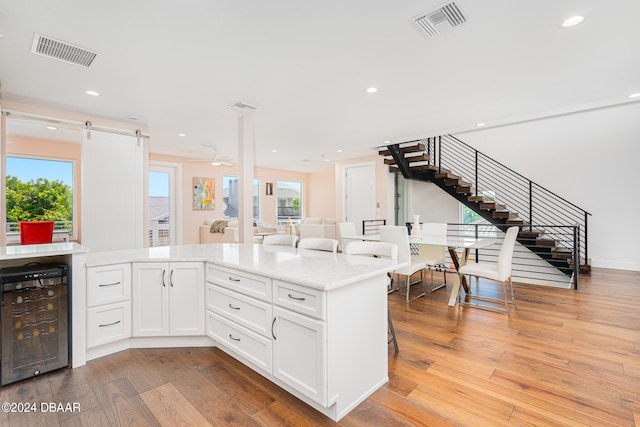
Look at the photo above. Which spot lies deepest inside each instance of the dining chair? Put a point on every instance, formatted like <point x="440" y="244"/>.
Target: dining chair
<point x="35" y="232"/>
<point x="397" y="234"/>
<point x="434" y="256"/>
<point x="499" y="271"/>
<point x="280" y="239"/>
<point x="319" y="244"/>
<point x="346" y="229"/>
<point x="381" y="250"/>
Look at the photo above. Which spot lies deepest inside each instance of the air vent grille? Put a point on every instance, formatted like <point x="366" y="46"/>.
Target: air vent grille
<point x="62" y="51"/>
<point x="243" y="106"/>
<point x="439" y="20"/>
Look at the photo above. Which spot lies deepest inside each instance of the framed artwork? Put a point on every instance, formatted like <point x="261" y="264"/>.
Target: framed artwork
<point x="204" y="194"/>
<point x="269" y="189"/>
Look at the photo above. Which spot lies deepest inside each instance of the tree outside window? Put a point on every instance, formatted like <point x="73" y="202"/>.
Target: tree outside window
<point x="289" y="201"/>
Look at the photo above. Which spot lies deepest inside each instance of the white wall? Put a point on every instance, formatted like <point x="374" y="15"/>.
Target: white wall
<point x="431" y="203"/>
<point x="591" y="159"/>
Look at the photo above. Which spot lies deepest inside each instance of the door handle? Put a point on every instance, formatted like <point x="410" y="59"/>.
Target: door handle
<point x="171" y="278"/>
<point x="164" y="285"/>
<point x="272" y="324"/>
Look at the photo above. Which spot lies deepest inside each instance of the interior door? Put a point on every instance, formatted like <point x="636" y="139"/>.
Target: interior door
<point x="359" y="193"/>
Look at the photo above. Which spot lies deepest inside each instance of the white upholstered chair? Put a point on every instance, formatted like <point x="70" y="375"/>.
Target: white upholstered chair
<point x="432" y="255"/>
<point x="346" y="229"/>
<point x="499" y="272"/>
<point x="280" y="239"/>
<point x="398" y="235"/>
<point x="382" y="250"/>
<point x="319" y="244"/>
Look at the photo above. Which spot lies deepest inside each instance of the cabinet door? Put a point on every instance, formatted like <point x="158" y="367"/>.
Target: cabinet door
<point x="150" y="299"/>
<point x="299" y="353"/>
<point x="186" y="301"/>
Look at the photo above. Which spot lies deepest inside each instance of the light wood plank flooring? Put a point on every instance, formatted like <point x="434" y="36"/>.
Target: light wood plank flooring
<point x="561" y="358"/>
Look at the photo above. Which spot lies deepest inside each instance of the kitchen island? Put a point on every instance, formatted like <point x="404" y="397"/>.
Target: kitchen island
<point x="314" y="323"/>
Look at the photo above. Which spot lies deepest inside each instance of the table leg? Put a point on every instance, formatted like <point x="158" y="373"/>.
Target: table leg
<point x="457" y="262"/>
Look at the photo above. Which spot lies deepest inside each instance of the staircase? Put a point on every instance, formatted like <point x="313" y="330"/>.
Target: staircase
<point x="550" y="226"/>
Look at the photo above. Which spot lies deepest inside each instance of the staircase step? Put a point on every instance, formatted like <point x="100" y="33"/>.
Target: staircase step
<point x="419" y="158"/>
<point x="504" y="215"/>
<point x="460" y="189"/>
<point x="413" y="148"/>
<point x="546" y="242"/>
<point x="479" y="198"/>
<point x="491" y="206"/>
<point x="446" y="175"/>
<point x="456" y="181"/>
<point x="514" y="221"/>
<point x="384" y="152"/>
<point x="562" y="253"/>
<point x="389" y="162"/>
<point x="423" y="167"/>
<point x="530" y="234"/>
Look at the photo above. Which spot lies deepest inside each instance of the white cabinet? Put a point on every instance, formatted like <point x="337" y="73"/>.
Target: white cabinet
<point x="168" y="299"/>
<point x="300" y="353"/>
<point x="277" y="327"/>
<point x="108" y="304"/>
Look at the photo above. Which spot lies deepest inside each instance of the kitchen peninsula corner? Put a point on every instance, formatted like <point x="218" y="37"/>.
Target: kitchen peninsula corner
<point x="312" y="322"/>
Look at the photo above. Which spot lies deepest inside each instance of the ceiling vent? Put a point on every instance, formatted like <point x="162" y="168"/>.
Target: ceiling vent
<point x="439" y="20"/>
<point x="62" y="51"/>
<point x="243" y="106"/>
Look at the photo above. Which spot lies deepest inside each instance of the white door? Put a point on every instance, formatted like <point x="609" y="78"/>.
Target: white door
<point x="186" y="298"/>
<point x="164" y="199"/>
<point x="359" y="193"/>
<point x="150" y="299"/>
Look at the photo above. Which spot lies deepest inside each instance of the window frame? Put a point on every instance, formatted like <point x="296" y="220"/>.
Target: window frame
<point x="14" y="237"/>
<point x="287" y="220"/>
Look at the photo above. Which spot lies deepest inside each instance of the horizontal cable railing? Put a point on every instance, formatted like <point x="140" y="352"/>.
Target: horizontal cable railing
<point x="66" y="226"/>
<point x="526" y="200"/>
<point x="526" y="267"/>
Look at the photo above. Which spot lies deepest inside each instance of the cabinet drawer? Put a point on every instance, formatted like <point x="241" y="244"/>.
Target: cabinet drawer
<point x="108" y="323"/>
<point x="300" y="299"/>
<point x="246" y="283"/>
<point x="108" y="284"/>
<point x="252" y="347"/>
<point x="249" y="312"/>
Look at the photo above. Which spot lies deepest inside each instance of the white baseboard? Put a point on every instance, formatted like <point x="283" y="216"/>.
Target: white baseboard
<point x="615" y="265"/>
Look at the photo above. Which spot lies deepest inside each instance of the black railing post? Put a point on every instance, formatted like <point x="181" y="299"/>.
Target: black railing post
<point x="439" y="154"/>
<point x="576" y="256"/>
<point x="530" y="204"/>
<point x="476" y="178"/>
<point x="429" y="149"/>
<point x="586" y="252"/>
<point x="476" y="236"/>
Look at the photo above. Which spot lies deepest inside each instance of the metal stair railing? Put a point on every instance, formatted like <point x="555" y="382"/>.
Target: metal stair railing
<point x="533" y="203"/>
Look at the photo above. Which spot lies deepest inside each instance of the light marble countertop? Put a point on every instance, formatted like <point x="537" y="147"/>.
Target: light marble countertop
<point x="43" y="250"/>
<point x="314" y="269"/>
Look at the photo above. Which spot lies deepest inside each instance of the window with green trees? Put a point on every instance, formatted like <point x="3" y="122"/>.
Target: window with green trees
<point x="39" y="190"/>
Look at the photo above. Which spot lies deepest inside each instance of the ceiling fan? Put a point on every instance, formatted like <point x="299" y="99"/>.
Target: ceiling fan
<point x="215" y="158"/>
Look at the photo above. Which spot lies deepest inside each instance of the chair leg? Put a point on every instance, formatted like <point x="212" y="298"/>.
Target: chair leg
<point x="513" y="298"/>
<point x="392" y="331"/>
<point x="504" y="290"/>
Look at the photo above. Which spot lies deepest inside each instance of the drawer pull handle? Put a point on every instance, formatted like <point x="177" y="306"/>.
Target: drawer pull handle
<point x="235" y="339"/>
<point x="233" y="279"/>
<point x="297" y="298"/>
<point x="233" y="307"/>
<point x="109" y="324"/>
<point x="108" y="284"/>
<point x="272" y="324"/>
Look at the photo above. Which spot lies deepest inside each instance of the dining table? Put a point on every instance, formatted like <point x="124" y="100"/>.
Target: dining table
<point x="453" y="244"/>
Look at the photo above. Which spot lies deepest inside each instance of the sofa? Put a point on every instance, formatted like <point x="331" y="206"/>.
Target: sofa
<point x="316" y="227"/>
<point x="228" y="235"/>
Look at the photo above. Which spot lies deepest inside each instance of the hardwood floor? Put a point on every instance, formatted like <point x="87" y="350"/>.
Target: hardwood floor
<point x="561" y="358"/>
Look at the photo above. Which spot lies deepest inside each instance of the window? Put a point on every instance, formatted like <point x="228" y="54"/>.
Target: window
<point x="289" y="201"/>
<point x="473" y="223"/>
<point x="39" y="190"/>
<point x="230" y="197"/>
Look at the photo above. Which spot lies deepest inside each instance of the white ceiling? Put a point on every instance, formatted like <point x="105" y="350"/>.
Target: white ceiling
<point x="177" y="66"/>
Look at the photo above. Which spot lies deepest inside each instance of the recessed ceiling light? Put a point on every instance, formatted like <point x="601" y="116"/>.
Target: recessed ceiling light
<point x="386" y="142"/>
<point x="372" y="90"/>
<point x="182" y="134"/>
<point x="326" y="160"/>
<point x="339" y="151"/>
<point x="92" y="93"/>
<point x="574" y="20"/>
<point x="274" y="151"/>
<point x="635" y="95"/>
<point x="134" y="118"/>
<point x="52" y="127"/>
<point x="480" y="124"/>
